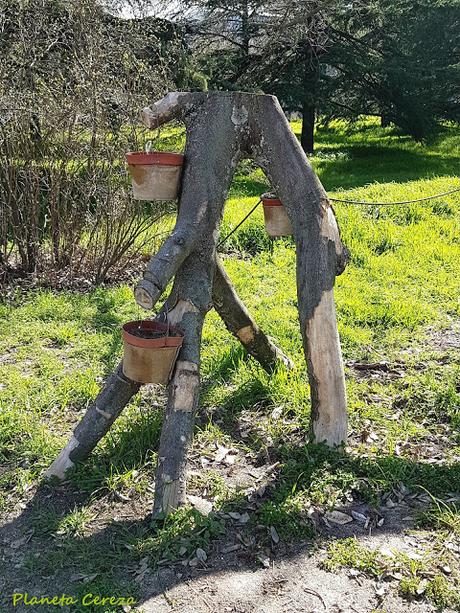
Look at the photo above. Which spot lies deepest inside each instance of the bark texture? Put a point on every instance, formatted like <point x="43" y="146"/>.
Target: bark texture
<point x="222" y="128"/>
<point x="193" y="288"/>
<point x="240" y="323"/>
<point x="263" y="133"/>
<point x="320" y="257"/>
<point x="100" y="415"/>
<point x="212" y="152"/>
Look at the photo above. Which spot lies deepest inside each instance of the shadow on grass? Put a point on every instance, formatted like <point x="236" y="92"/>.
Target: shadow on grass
<point x="354" y="156"/>
<point x="356" y="166"/>
<point x="122" y="546"/>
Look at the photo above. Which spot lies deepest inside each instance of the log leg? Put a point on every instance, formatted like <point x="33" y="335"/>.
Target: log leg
<point x="320" y="257"/>
<point x="100" y="415"/>
<point x="193" y="289"/>
<point x="239" y="322"/>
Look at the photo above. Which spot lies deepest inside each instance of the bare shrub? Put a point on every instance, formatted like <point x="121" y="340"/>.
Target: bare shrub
<point x="72" y="80"/>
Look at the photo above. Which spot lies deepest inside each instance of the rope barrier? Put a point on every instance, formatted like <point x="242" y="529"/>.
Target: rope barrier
<point x="241" y="223"/>
<point x="452" y="191"/>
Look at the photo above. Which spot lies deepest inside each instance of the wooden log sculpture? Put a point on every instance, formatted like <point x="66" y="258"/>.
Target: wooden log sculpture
<point x="223" y="128"/>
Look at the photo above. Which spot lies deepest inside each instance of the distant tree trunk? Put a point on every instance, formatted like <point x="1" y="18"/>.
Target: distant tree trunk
<point x="384" y="121"/>
<point x="245" y="41"/>
<point x="310" y="95"/>
<point x="307" y="137"/>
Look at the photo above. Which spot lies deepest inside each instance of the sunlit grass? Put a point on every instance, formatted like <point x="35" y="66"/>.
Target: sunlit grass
<point x="403" y="276"/>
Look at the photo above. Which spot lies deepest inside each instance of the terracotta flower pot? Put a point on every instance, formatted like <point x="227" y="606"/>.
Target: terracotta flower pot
<point x="156" y="175"/>
<point x="150" y="351"/>
<point x="276" y="219"/>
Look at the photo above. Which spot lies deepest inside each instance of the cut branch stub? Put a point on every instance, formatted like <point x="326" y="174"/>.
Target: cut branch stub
<point x="174" y="105"/>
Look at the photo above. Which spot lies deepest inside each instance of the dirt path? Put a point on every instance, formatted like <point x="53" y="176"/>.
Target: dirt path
<point x="296" y="584"/>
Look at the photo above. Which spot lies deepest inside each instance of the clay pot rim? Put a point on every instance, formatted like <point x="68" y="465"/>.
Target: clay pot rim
<point x="154" y="158"/>
<point x="152" y="343"/>
<point x="270" y="200"/>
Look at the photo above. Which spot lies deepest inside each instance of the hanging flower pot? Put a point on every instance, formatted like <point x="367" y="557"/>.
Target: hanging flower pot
<point x="276" y="219"/>
<point x="155" y="175"/>
<point x="150" y="351"/>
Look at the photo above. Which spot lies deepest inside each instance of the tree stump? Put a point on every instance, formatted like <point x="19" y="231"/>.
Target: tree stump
<point x="223" y="128"/>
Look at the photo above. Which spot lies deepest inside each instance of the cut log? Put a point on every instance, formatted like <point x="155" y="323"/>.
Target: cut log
<point x="96" y="422"/>
<point x="320" y="257"/>
<point x="240" y="323"/>
<point x="192" y="288"/>
<point x="222" y="128"/>
<point x="264" y="134"/>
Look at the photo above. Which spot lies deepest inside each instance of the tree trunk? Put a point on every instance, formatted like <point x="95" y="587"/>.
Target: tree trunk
<point x="212" y="153"/>
<point x="262" y="132"/>
<point x="222" y="127"/>
<point x="307" y="137"/>
<point x="320" y="256"/>
<point x="193" y="291"/>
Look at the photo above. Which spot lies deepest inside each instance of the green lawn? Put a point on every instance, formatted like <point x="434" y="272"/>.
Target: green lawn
<point x="399" y="292"/>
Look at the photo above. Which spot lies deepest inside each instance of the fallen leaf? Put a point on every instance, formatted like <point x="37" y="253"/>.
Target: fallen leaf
<point x="244" y="518"/>
<point x="359" y="517"/>
<point x="221" y="453"/>
<point x="264" y="560"/>
<point x="274" y="535"/>
<point x="202" y="505"/>
<point x="337" y="517"/>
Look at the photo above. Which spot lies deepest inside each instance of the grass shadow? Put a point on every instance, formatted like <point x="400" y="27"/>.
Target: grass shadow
<point x="100" y="561"/>
<point x="349" y="167"/>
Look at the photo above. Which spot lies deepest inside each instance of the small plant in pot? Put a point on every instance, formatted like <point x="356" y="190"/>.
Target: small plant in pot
<point x="150" y="350"/>
<point x="155" y="175"/>
<point x="277" y="222"/>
